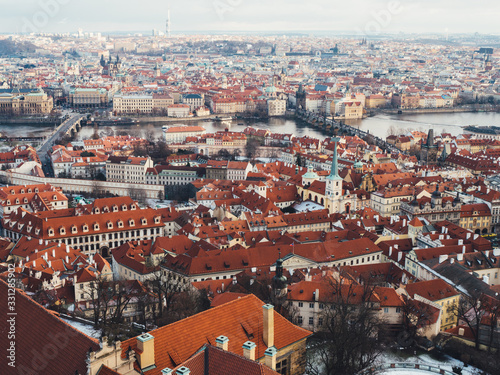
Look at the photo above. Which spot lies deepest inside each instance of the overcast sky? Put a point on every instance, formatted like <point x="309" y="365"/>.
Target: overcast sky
<point x="364" y="16"/>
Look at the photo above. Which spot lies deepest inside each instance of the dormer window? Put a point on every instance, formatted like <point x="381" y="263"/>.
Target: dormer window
<point x="120" y="224"/>
<point x="8" y="201"/>
<point x="29" y="191"/>
<point x="25" y="200"/>
<point x="124" y="207"/>
<point x="96" y="226"/>
<point x="96" y="210"/>
<point x="22" y="191"/>
<point x="36" y="190"/>
<point x="74" y="229"/>
<point x="110" y="225"/>
<point x="54" y="197"/>
<point x="17" y="200"/>
<point x="132" y="207"/>
<point x="144" y="221"/>
<point x="37" y="231"/>
<point x="157" y="220"/>
<point x="51" y="232"/>
<point x="85" y="228"/>
<point x="131" y="222"/>
<point x="105" y="209"/>
<point x="62" y="230"/>
<point x="115" y="208"/>
<point x="12" y="191"/>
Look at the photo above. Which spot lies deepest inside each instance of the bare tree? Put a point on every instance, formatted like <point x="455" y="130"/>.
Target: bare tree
<point x="166" y="286"/>
<point x="251" y="148"/>
<point x="417" y="316"/>
<point x="469" y="311"/>
<point x="351" y="327"/>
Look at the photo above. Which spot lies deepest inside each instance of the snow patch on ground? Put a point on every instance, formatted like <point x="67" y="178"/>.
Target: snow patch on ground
<point x="446" y="363"/>
<point x="87" y="329"/>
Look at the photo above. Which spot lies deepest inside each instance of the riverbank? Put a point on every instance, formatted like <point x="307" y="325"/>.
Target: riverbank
<point x="171" y="119"/>
<point x="421" y="111"/>
<point x="42" y="121"/>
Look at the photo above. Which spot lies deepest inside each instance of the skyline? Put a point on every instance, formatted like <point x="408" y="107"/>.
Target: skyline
<point x="239" y="16"/>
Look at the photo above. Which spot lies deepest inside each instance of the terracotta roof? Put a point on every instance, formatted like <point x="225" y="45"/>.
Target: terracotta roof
<point x="40" y="335"/>
<point x="433" y="290"/>
<point x="212" y="360"/>
<point x="240" y="321"/>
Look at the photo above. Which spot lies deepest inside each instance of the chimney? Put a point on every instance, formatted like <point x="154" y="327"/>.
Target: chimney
<point x="463" y="249"/>
<point x="468" y="235"/>
<point x="268" y="334"/>
<point x="460" y="257"/>
<point x="40" y="241"/>
<point x="496" y="252"/>
<point x="53" y="253"/>
<point x="222" y="342"/>
<point x="249" y="350"/>
<point x="270" y="360"/>
<point x="316" y="295"/>
<point x="442" y="258"/>
<point x="67" y="249"/>
<point x="167" y="371"/>
<point x="146" y="347"/>
<point x="182" y="371"/>
<point x="461" y="331"/>
<point x="400" y="256"/>
<point x="390" y="251"/>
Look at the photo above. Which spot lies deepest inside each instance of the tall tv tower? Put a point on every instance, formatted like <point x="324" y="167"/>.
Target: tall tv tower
<point x="168" y="23"/>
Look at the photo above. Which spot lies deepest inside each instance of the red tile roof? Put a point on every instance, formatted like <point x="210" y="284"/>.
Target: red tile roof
<point x="240" y="320"/>
<point x="45" y="344"/>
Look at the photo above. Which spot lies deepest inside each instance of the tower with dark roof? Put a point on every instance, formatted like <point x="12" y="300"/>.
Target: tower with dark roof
<point x="279" y="286"/>
<point x="429" y="151"/>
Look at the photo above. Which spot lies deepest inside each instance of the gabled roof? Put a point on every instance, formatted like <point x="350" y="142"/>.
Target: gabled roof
<point x="39" y="332"/>
<point x="212" y="360"/>
<point x="240" y="320"/>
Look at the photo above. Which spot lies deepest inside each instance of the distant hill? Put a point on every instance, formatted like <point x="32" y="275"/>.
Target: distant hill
<point x="9" y="47"/>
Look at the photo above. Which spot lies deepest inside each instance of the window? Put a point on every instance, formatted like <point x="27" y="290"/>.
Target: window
<point x="311" y="305"/>
<point x="282" y="366"/>
<point x="301" y="304"/>
<point x="386" y="310"/>
<point x="311" y="321"/>
<point x="299" y="320"/>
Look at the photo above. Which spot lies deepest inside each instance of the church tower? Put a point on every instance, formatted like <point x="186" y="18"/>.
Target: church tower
<point x="333" y="188"/>
<point x="429" y="151"/>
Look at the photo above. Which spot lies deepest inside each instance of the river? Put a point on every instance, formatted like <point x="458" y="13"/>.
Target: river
<point x="377" y="125"/>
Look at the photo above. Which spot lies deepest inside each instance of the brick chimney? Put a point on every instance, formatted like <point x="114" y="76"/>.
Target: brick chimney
<point x="146" y="346"/>
<point x="249" y="350"/>
<point x="270" y="360"/>
<point x="222" y="342"/>
<point x="268" y="329"/>
<point x="182" y="371"/>
<point x="167" y="371"/>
